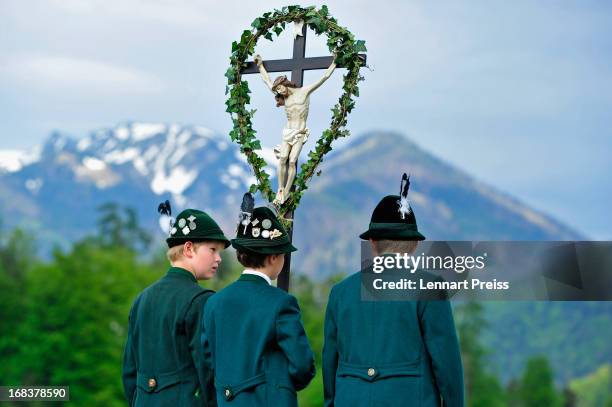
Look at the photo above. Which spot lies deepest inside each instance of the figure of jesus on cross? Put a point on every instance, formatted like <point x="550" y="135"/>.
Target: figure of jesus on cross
<point x="296" y="101"/>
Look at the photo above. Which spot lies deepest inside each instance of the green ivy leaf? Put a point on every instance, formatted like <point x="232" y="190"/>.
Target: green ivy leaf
<point x="230" y="73"/>
<point x="256" y="24"/>
<point x="244" y="38"/>
<point x="360" y="46"/>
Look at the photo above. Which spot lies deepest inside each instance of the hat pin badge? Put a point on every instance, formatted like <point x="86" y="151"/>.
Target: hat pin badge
<point x="246" y="222"/>
<point x="266" y="223"/>
<point x="192" y="224"/>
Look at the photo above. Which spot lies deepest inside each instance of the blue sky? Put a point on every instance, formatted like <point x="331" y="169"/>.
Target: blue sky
<point x="518" y="94"/>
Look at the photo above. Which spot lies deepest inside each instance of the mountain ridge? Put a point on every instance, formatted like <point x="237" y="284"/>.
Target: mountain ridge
<point x="140" y="164"/>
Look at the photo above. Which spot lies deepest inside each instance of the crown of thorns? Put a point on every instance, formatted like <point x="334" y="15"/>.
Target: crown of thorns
<point x="282" y="80"/>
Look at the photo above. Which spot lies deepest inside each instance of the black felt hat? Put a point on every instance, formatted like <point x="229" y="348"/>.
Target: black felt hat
<point x="393" y="218"/>
<point x="260" y="231"/>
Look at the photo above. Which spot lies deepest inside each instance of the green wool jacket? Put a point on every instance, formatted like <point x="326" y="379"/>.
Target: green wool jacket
<point x="255" y="343"/>
<point x="389" y="353"/>
<point x="162" y="363"/>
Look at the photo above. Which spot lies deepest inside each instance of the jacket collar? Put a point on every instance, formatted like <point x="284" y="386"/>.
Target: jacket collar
<point x="256" y="278"/>
<point x="181" y="273"/>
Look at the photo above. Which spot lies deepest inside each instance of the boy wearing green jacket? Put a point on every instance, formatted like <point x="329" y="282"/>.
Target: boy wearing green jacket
<point x="254" y="340"/>
<point x="162" y="364"/>
<point x="390" y="353"/>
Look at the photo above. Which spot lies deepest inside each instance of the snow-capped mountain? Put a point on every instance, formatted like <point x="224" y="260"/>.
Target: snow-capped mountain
<point x="169" y="157"/>
<point x="56" y="188"/>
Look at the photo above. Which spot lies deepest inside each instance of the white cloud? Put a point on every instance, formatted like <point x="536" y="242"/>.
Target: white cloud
<point x="15" y="160"/>
<point x="64" y="73"/>
<point x="11" y="160"/>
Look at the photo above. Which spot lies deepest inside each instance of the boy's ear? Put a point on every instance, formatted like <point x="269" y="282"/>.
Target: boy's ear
<point x="187" y="247"/>
<point x="269" y="259"/>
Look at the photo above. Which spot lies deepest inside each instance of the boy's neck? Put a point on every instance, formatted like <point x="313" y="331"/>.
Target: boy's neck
<point x="183" y="265"/>
<point x="263" y="270"/>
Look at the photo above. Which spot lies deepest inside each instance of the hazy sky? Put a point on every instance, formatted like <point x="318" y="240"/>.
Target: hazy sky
<point x="518" y="94"/>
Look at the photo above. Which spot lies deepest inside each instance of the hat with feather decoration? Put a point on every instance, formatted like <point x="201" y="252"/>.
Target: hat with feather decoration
<point x="393" y="218"/>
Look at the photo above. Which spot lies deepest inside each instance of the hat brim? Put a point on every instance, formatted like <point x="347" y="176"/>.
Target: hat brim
<point x="280" y="249"/>
<point x="391" y="234"/>
<point x="175" y="241"/>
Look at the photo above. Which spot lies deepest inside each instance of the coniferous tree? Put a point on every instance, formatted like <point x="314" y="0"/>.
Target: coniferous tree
<point x="118" y="227"/>
<point x="537" y="385"/>
<point x="17" y="255"/>
<point x="482" y="387"/>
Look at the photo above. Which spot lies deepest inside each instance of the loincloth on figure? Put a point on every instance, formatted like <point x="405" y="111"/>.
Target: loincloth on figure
<point x="292" y="136"/>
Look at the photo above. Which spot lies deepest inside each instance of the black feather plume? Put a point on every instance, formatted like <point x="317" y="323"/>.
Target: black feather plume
<point x="404" y="206"/>
<point x="405" y="184"/>
<point x="246" y="210"/>
<point x="248" y="203"/>
<point x="164" y="208"/>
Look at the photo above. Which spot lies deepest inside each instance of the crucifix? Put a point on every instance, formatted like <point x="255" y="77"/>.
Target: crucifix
<point x="295" y="133"/>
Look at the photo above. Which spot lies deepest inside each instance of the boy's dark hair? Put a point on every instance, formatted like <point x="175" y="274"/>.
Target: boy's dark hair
<point x="395" y="246"/>
<point x="251" y="259"/>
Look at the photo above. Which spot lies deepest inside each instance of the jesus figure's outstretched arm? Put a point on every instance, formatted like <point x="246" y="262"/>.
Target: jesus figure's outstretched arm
<point x="262" y="71"/>
<point x="311" y="88"/>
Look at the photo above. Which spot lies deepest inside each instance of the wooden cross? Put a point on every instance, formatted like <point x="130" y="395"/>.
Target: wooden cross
<point x="297" y="65"/>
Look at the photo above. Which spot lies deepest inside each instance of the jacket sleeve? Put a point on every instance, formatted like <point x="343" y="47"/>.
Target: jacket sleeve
<point x="292" y="339"/>
<point x="194" y="326"/>
<point x="129" y="368"/>
<point x="330" y="354"/>
<point x="441" y="342"/>
<point x="207" y="330"/>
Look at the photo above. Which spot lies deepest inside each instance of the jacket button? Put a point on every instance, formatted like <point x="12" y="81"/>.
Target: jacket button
<point x="152" y="383"/>
<point x="228" y="393"/>
<point x="371" y="372"/>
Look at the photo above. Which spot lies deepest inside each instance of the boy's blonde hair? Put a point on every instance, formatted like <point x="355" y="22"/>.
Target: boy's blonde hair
<point x="395" y="246"/>
<point x="175" y="253"/>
